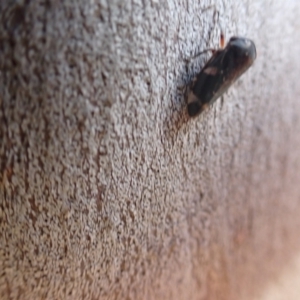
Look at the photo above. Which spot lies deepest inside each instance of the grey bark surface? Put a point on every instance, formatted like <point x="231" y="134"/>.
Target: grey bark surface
<point x="107" y="189"/>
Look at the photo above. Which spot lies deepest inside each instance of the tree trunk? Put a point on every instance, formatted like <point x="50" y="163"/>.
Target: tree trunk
<point x="108" y="190"/>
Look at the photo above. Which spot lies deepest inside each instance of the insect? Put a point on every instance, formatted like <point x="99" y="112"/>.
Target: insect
<point x="219" y="73"/>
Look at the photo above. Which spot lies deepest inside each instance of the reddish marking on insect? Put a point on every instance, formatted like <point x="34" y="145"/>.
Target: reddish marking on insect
<point x="211" y="70"/>
<point x="222" y="40"/>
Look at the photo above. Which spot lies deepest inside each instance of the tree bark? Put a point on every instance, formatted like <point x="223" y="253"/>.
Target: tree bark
<point x="108" y="190"/>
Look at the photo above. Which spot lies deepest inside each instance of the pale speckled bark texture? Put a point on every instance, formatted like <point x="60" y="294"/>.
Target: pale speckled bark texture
<point x="108" y="190"/>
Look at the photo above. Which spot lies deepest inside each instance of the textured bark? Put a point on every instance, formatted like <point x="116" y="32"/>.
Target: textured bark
<point x="108" y="190"/>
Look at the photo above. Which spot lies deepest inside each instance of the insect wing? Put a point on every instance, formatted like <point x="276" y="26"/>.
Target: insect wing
<point x="210" y="81"/>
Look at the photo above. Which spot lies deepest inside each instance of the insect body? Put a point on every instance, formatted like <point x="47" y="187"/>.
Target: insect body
<point x="218" y="74"/>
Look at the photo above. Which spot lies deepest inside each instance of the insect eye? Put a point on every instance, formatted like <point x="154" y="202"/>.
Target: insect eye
<point x="234" y="38"/>
<point x="239" y="42"/>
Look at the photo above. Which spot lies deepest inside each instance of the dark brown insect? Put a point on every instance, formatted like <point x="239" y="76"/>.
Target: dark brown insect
<point x="219" y="73"/>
